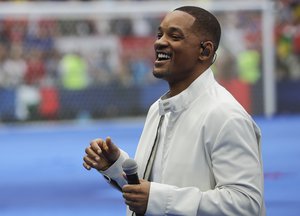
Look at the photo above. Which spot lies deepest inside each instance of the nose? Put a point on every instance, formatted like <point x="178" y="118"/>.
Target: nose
<point x="161" y="42"/>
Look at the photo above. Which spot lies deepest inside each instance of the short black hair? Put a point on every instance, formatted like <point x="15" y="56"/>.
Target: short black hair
<point x="205" y="23"/>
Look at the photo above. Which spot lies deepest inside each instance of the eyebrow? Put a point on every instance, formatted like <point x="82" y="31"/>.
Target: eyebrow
<point x="172" y="29"/>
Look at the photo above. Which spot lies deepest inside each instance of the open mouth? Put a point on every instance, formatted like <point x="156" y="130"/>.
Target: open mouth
<point x="163" y="56"/>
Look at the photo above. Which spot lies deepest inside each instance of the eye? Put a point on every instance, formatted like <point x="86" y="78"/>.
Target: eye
<point x="176" y="37"/>
<point x="159" y="35"/>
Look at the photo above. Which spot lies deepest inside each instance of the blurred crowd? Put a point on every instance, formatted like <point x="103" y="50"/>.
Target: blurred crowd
<point x="77" y="54"/>
<point x="40" y="53"/>
<point x="38" y="57"/>
<point x="287" y="39"/>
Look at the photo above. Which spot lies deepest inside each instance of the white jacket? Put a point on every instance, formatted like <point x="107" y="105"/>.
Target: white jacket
<point x="213" y="163"/>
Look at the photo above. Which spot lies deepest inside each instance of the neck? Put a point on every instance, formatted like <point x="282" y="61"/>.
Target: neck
<point x="176" y="87"/>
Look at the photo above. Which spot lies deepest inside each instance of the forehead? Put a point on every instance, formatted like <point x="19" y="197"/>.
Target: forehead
<point x="178" y="19"/>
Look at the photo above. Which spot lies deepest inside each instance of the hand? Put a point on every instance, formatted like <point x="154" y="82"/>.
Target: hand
<point x="101" y="154"/>
<point x="136" y="196"/>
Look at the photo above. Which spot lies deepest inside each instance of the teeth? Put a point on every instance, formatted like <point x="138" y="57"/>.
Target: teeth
<point x="163" y="56"/>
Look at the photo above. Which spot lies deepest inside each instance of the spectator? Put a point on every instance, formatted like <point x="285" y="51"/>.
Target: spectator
<point x="35" y="68"/>
<point x="15" y="67"/>
<point x="73" y="72"/>
<point x="3" y="73"/>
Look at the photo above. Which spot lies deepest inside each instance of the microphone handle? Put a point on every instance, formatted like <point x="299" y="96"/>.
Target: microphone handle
<point x="133" y="179"/>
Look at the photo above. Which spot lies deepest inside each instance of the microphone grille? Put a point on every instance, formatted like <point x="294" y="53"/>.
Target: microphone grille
<point x="129" y="166"/>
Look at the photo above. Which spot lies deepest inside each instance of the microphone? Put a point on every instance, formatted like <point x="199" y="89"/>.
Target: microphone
<point x="130" y="168"/>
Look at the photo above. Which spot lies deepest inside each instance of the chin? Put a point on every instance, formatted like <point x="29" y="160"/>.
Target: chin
<point x="160" y="74"/>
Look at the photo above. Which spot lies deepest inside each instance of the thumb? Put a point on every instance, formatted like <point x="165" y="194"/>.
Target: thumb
<point x="110" y="146"/>
<point x="111" y="149"/>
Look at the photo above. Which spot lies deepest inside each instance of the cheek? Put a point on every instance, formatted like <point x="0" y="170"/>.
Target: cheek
<point x="185" y="59"/>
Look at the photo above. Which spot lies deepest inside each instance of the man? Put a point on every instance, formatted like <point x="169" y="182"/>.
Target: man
<point x="207" y="158"/>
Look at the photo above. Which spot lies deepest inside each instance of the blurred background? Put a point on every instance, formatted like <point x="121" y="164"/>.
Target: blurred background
<point x="71" y="71"/>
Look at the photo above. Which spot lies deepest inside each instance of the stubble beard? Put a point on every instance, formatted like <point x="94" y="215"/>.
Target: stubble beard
<point x="164" y="75"/>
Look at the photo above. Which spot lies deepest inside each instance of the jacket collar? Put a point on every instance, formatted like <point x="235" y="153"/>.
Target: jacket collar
<point x="181" y="101"/>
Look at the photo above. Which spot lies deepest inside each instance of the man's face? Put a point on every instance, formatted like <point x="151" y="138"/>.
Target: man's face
<point x="176" y="47"/>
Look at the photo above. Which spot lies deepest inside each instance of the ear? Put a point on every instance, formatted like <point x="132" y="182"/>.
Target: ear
<point x="206" y="50"/>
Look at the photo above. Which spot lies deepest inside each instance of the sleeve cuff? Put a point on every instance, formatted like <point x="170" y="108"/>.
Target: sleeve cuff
<point x="158" y="199"/>
<point x="170" y="200"/>
<point x="115" y="171"/>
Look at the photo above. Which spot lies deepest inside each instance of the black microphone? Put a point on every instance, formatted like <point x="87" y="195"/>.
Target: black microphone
<point x="130" y="168"/>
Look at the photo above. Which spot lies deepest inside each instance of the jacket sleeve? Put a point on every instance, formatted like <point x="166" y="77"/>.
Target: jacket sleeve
<point x="237" y="168"/>
<point x="114" y="174"/>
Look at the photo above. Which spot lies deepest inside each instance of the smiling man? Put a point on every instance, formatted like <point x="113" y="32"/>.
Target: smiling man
<point x="199" y="153"/>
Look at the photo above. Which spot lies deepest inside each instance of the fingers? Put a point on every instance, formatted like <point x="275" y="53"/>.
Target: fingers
<point x="102" y="148"/>
<point x="89" y="162"/>
<point x="86" y="166"/>
<point x="92" y="158"/>
<point x="132" y="200"/>
<point x="131" y="188"/>
<point x="136" y="196"/>
<point x="91" y="152"/>
<point x="97" y="145"/>
<point x="135" y="192"/>
<point x="101" y="154"/>
<point x="131" y="197"/>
